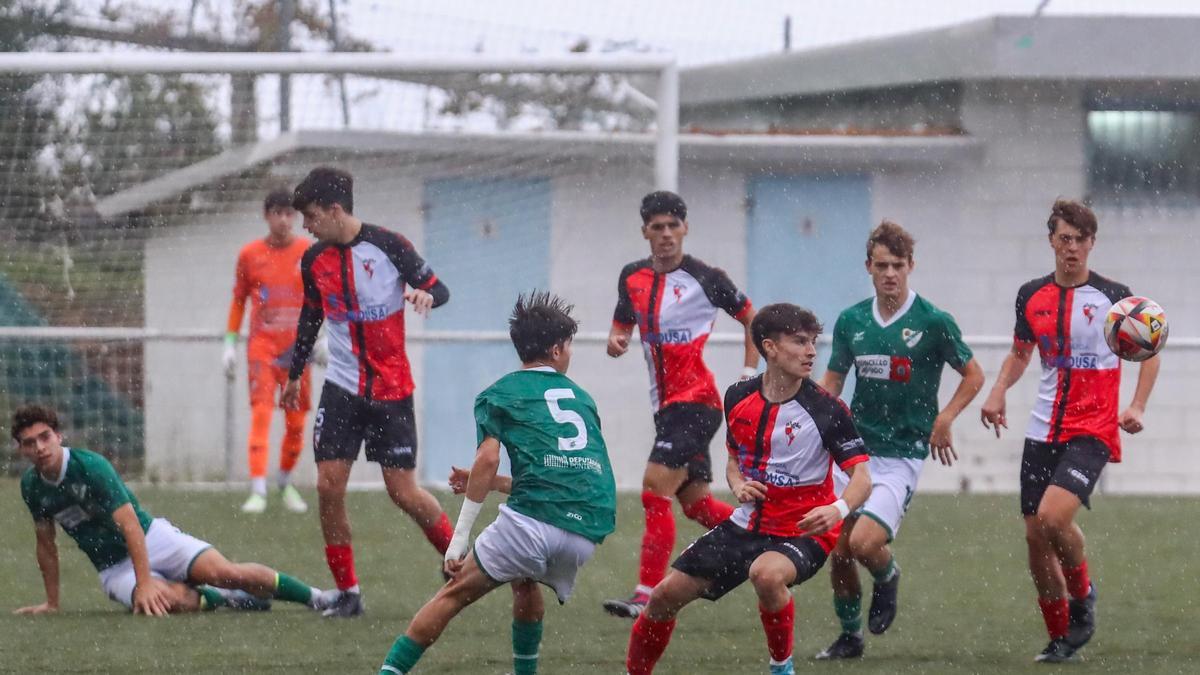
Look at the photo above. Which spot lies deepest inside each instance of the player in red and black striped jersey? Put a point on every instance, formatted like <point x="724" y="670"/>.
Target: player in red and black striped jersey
<point x="673" y="299"/>
<point x="1072" y="432"/>
<point x="355" y="280"/>
<point x="784" y="432"/>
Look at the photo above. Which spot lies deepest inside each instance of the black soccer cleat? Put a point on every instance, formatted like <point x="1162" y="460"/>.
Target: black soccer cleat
<point x="346" y="606"/>
<point x="847" y="646"/>
<point x="627" y="609"/>
<point x="1057" y="651"/>
<point x="883" y="604"/>
<point x="1083" y="619"/>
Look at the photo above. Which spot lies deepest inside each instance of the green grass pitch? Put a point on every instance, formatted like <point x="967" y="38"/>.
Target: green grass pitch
<point x="967" y="604"/>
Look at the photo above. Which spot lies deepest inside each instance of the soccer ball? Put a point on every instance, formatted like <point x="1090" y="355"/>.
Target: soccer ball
<point x="1136" y="328"/>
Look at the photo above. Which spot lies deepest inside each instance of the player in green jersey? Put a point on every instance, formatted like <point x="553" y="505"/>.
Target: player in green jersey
<point x="897" y="343"/>
<point x="146" y="564"/>
<point x="562" y="495"/>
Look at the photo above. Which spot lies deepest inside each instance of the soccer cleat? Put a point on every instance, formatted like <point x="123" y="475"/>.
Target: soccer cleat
<point x="1083" y="619"/>
<point x="255" y="503"/>
<point x="883" y="604"/>
<point x="323" y="600"/>
<point x="292" y="501"/>
<point x="243" y="601"/>
<point x="345" y="606"/>
<point x="847" y="646"/>
<point x="1057" y="651"/>
<point x="627" y="609"/>
<point x="785" y="668"/>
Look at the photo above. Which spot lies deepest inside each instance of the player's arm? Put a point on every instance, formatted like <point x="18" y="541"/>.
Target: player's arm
<point x="940" y="440"/>
<point x="618" y="339"/>
<point x="750" y="362"/>
<point x="743" y="490"/>
<point x="459" y="476"/>
<point x="1131" y="418"/>
<point x="840" y="360"/>
<point x="237" y="309"/>
<point x="47" y="560"/>
<point x="312" y="315"/>
<point x="994" y="408"/>
<point x="624" y="317"/>
<point x="833" y="382"/>
<point x="149" y="594"/>
<point x="483" y="473"/>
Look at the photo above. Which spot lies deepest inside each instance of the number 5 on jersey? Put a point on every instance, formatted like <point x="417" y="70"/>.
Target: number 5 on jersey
<point x="579" y="440"/>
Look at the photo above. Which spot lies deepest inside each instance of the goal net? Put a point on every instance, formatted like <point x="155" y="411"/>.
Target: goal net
<point x="133" y="179"/>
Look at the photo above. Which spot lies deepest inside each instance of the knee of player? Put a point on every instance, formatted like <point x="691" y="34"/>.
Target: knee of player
<point x="766" y="577"/>
<point x="1051" y="522"/>
<point x="661" y="606"/>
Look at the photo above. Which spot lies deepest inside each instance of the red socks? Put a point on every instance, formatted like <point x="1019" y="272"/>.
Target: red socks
<point x="647" y="643"/>
<point x="1078" y="581"/>
<point x="708" y="512"/>
<point x="341" y="564"/>
<point x="778" y="627"/>
<point x="439" y="533"/>
<point x="1057" y="614"/>
<point x="658" y="541"/>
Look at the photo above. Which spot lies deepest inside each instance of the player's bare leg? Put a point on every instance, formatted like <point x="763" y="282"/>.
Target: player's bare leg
<point x="467" y="586"/>
<point x="250" y="586"/>
<point x="653" y="627"/>
<point x="660" y="484"/>
<point x="770" y="575"/>
<point x="528" y="611"/>
<point x="1046" y="571"/>
<point x="1055" y="520"/>
<point x="420" y="505"/>
<point x="847" y="597"/>
<point x="869" y="546"/>
<point x="332" y="478"/>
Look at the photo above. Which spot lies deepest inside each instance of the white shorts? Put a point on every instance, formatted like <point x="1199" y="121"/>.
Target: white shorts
<point x="893" y="483"/>
<point x="516" y="546"/>
<point x="171" y="553"/>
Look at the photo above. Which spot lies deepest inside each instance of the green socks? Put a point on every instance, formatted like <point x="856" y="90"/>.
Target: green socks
<point x="849" y="612"/>
<point x="526" y="640"/>
<point x="887" y="572"/>
<point x="210" y="598"/>
<point x="403" y="656"/>
<point x="291" y="589"/>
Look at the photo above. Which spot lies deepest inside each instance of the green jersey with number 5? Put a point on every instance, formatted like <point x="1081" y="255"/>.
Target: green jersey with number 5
<point x="560" y="469"/>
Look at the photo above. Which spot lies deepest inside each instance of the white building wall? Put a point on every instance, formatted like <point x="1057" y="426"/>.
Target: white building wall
<point x="980" y="232"/>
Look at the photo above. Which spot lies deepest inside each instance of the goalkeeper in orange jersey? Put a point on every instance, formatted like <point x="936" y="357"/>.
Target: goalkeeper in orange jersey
<point x="268" y="273"/>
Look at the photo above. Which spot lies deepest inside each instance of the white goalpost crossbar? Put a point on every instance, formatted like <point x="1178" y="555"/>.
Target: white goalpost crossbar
<point x="666" y="102"/>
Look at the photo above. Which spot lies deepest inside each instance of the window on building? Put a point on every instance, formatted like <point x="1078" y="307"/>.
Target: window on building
<point x="1144" y="156"/>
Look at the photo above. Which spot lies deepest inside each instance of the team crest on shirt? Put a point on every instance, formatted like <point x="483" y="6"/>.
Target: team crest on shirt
<point x="911" y="337"/>
<point x="369" y="267"/>
<point x="678" y="290"/>
<point x="791" y="428"/>
<point x="1089" y="311"/>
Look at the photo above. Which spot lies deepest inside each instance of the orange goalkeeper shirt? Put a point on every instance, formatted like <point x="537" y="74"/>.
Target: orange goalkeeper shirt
<point x="270" y="277"/>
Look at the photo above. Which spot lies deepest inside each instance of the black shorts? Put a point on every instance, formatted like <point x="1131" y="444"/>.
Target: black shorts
<point x="682" y="435"/>
<point x="344" y="421"/>
<point x="1074" y="466"/>
<point x="725" y="553"/>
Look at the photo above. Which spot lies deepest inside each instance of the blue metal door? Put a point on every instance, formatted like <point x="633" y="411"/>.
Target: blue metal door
<point x="806" y="243"/>
<point x="488" y="239"/>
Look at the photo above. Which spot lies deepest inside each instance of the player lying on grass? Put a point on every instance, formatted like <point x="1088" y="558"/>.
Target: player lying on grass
<point x="146" y="564"/>
<point x="562" y="496"/>
<point x="784" y="432"/>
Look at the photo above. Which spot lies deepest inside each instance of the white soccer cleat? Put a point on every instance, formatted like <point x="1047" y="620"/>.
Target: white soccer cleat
<point x="323" y="600"/>
<point x="292" y="501"/>
<point x="255" y="504"/>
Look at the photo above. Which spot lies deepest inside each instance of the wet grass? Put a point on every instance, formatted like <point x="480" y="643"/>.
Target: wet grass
<point x="966" y="602"/>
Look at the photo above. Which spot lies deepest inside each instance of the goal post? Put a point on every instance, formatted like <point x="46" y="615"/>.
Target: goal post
<point x="134" y="177"/>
